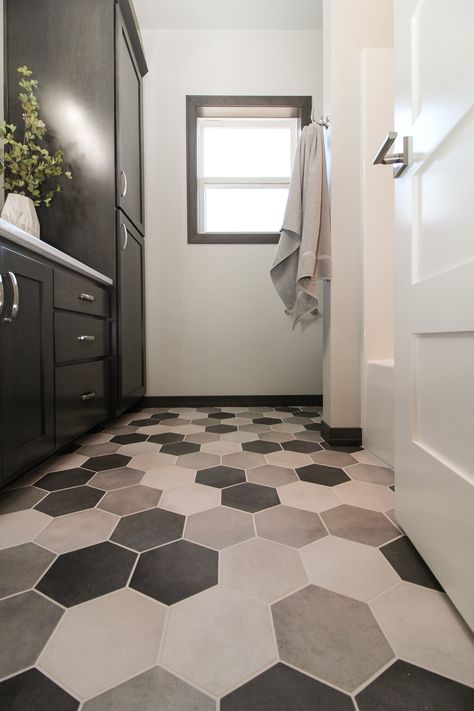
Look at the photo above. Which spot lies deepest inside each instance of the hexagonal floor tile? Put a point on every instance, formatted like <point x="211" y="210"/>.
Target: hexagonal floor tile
<point x="202" y="438"/>
<point x="275" y="437"/>
<point x="190" y="499"/>
<point x="175" y="571"/>
<point x="221" y="447"/>
<point x="27" y="621"/>
<point x="60" y="503"/>
<point x="287" y="427"/>
<point x="139" y="448"/>
<point x="130" y="500"/>
<point x="64" y="479"/>
<point x="147" y="462"/>
<point x="179" y="448"/>
<point x="221" y="429"/>
<point x="221" y="415"/>
<point x="333" y="459"/>
<point x="219" y="528"/>
<point x="14" y="500"/>
<point x="105" y="567"/>
<point x="166" y="438"/>
<point x="66" y="461"/>
<point x="425" y="629"/>
<point x="144" y="692"/>
<point x="261" y="447"/>
<point x="372" y="475"/>
<point x="269" y="475"/>
<point x="309" y="497"/>
<point x="165" y="416"/>
<point x="218" y="639"/>
<point x="301" y="445"/>
<point x="281" y="688"/>
<point x="267" y="421"/>
<point x="319" y="474"/>
<point x="169" y="477"/>
<point x="367" y="496"/>
<point x="405" y="686"/>
<point x="289" y="460"/>
<point x="198" y="460"/>
<point x="408" y="563"/>
<point x="97" y="450"/>
<point x="33" y="690"/>
<point x="290" y="526"/>
<point x="131" y="438"/>
<point x="250" y="497"/>
<point x="243" y="460"/>
<point x="21" y="527"/>
<point x="330" y="636"/>
<point x="94" y="646"/>
<point x="108" y="461"/>
<point x="142" y="422"/>
<point x="348" y="449"/>
<point x="262" y="569"/>
<point x="308" y="436"/>
<point x="361" y="525"/>
<point x="116" y="478"/>
<point x="220" y="477"/>
<point x="238" y="436"/>
<point x="348" y="568"/>
<point x="148" y="529"/>
<point x="21" y="567"/>
<point x="77" y="530"/>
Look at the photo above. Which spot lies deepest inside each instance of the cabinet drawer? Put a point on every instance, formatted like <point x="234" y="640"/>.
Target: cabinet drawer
<point x="75" y="293"/>
<point x="81" y="398"/>
<point x="79" y="337"/>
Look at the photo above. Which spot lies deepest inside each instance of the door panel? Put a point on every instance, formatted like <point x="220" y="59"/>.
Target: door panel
<point x="131" y="314"/>
<point x="26" y="349"/>
<point x="434" y="354"/>
<point x="129" y="120"/>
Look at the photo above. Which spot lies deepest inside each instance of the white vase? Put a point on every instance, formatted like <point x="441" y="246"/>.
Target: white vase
<point x="20" y="211"/>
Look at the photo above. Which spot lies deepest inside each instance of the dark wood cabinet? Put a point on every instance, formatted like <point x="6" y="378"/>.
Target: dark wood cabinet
<point x="26" y="361"/>
<point x="131" y="314"/>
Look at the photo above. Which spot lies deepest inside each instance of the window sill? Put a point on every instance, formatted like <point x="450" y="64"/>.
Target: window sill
<point x="234" y="238"/>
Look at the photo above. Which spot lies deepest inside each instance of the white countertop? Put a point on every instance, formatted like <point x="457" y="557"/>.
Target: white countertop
<point x="23" y="239"/>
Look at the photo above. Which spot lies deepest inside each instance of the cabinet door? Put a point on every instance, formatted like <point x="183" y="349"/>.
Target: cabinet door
<point x="129" y="129"/>
<point x="131" y="313"/>
<point x="26" y="356"/>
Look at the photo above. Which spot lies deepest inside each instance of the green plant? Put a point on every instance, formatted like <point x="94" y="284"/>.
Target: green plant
<point x="28" y="166"/>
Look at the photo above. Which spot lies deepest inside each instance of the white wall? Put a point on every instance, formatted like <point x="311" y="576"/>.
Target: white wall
<point x="349" y="27"/>
<point x="214" y="322"/>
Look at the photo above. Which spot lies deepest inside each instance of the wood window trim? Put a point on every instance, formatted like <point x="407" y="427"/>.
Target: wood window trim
<point x="194" y="104"/>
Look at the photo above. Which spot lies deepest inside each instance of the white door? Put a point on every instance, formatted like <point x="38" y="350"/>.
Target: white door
<point x="434" y="341"/>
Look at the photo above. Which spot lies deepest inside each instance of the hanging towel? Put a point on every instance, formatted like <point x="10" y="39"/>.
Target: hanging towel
<point x="304" y="250"/>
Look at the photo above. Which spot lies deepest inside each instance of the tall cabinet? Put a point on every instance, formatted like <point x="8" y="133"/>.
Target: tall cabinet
<point x="88" y="58"/>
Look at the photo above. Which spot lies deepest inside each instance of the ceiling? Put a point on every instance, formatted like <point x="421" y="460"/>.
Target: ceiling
<point x="229" y="14"/>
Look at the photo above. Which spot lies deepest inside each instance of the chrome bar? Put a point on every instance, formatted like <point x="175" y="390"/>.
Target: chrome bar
<point x="125" y="242"/>
<point x="124" y="192"/>
<point x="16" y="299"/>
<point x="86" y="338"/>
<point x="381" y="158"/>
<point x="88" y="396"/>
<point x="86" y="297"/>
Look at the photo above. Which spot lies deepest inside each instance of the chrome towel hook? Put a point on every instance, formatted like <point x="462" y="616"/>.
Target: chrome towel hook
<point x="323" y="121"/>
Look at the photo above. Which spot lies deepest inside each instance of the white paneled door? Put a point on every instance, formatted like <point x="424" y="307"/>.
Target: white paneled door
<point x="434" y="359"/>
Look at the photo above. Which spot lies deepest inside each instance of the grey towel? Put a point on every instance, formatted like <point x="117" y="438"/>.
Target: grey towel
<point x="304" y="250"/>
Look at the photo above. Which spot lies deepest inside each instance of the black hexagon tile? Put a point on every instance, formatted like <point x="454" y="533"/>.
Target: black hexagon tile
<point x="300" y="445"/>
<point x="267" y="421"/>
<point x="320" y="474"/>
<point x="108" y="461"/>
<point x="221" y="476"/>
<point x="221" y="429"/>
<point x="179" y="448"/>
<point x="32" y="690"/>
<point x="161" y="416"/>
<point x="166" y="438"/>
<point x="132" y="438"/>
<point x="250" y="497"/>
<point x="175" y="571"/>
<point x="221" y="415"/>
<point x="87" y="573"/>
<point x="410" y="566"/>
<point x="60" y="503"/>
<point x="65" y="479"/>
<point x="143" y="423"/>
<point x="260" y="446"/>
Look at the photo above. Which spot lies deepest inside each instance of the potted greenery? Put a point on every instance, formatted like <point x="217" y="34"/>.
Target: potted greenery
<point x="27" y="165"/>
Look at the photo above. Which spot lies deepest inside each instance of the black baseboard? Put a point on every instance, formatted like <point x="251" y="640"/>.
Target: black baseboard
<point x="230" y="400"/>
<point x="342" y="436"/>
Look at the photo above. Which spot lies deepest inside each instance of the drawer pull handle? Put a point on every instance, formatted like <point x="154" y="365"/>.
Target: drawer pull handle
<point x="86" y="338"/>
<point x="88" y="396"/>
<point x="15" y="309"/>
<point x="86" y="297"/>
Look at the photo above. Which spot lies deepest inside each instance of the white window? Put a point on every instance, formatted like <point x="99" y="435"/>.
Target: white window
<point x="243" y="173"/>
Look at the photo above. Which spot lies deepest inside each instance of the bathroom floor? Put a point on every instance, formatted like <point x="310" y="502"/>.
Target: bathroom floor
<point x="203" y="559"/>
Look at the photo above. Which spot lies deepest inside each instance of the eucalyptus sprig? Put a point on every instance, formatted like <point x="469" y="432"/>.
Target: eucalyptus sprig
<point x="28" y="165"/>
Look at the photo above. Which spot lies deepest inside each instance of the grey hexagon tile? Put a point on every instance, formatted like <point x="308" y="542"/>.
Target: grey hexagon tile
<point x="250" y="497"/>
<point x="21" y="567"/>
<point x="138" y="448"/>
<point x="67" y="461"/>
<point x="290" y="460"/>
<point x="300" y="445"/>
<point x="255" y="428"/>
<point x="332" y="637"/>
<point x="407" y="562"/>
<point x="424" y="628"/>
<point x="309" y="497"/>
<point x="109" y="432"/>
<point x="33" y="690"/>
<point x="204" y="422"/>
<point x="166" y="438"/>
<point x="221" y="447"/>
<point x="148" y="529"/>
<point x="145" y="691"/>
<point x="290" y="526"/>
<point x="405" y="686"/>
<point x="333" y="459"/>
<point x="219" y="527"/>
<point x="77" y="530"/>
<point x="176" y="571"/>
<point x="179" y="448"/>
<point x="97" y="438"/>
<point x="107" y="461"/>
<point x="367" y="496"/>
<point x="269" y="475"/>
<point x="275" y="437"/>
<point x="65" y="479"/>
<point x="238" y="436"/>
<point x="190" y="499"/>
<point x="220" y="476"/>
<point x="147" y="462"/>
<point x="361" y="525"/>
<point x="60" y="503"/>
<point x="97" y="450"/>
<point x="221" y="415"/>
<point x="116" y="478"/>
<point x="130" y="500"/>
<point x="243" y="460"/>
<point x="156" y="429"/>
<point x="372" y="475"/>
<point x="348" y="568"/>
<point x="221" y="429"/>
<point x="320" y="474"/>
<point x="26" y="620"/>
<point x="169" y="477"/>
<point x="202" y="438"/>
<point x="187" y="429"/>
<point x="287" y="427"/>
<point x="198" y="460"/>
<point x="261" y="569"/>
<point x="90" y="650"/>
<point x="14" y="500"/>
<point x="308" y="436"/>
<point x="365" y="457"/>
<point x="218" y="639"/>
<point x="21" y="527"/>
<point x="281" y="688"/>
